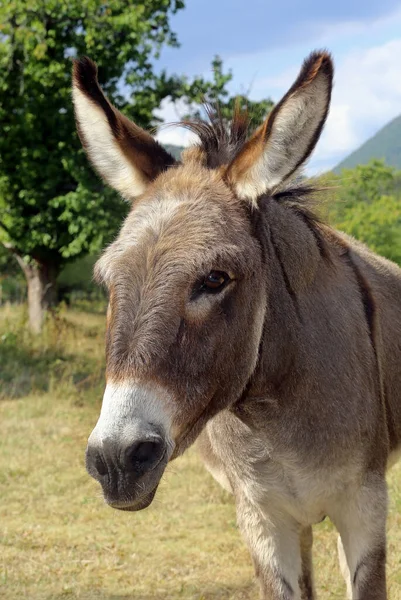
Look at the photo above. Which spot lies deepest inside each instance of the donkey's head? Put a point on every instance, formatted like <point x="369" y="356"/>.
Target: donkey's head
<point x="187" y="276"/>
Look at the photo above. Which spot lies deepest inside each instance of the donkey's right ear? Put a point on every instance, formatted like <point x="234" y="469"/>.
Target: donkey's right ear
<point x="126" y="156"/>
<point x="282" y="144"/>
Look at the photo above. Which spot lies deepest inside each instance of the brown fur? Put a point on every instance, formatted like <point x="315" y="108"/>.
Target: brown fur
<point x="290" y="376"/>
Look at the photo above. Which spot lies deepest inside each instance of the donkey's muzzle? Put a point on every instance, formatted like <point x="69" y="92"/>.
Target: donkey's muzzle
<point x="129" y="475"/>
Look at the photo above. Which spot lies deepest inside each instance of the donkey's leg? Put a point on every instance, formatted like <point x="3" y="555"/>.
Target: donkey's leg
<point x="273" y="540"/>
<point x="361" y="521"/>
<point x="306" y="581"/>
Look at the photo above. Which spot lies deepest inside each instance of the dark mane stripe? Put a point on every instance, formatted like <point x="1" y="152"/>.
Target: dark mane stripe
<point x="286" y="279"/>
<point x="302" y="200"/>
<point x="369" y="307"/>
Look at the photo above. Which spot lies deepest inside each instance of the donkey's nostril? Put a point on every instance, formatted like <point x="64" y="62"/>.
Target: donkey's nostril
<point x="145" y="451"/>
<point x="112" y="463"/>
<point x="95" y="463"/>
<point x="144" y="455"/>
<point x="100" y="465"/>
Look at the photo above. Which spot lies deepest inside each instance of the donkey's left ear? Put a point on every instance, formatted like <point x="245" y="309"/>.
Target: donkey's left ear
<point x="286" y="139"/>
<point x="126" y="156"/>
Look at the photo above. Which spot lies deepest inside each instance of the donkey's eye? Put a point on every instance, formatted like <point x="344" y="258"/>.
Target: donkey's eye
<point x="215" y="282"/>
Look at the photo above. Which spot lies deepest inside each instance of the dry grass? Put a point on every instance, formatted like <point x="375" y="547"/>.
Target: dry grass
<point x="58" y="540"/>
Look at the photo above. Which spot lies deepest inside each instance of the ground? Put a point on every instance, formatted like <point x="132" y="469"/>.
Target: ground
<point x="57" y="538"/>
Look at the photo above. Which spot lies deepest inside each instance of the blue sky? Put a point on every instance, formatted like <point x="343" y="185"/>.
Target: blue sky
<point x="264" y="44"/>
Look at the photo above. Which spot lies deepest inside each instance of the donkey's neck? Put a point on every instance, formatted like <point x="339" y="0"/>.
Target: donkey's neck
<point x="293" y="260"/>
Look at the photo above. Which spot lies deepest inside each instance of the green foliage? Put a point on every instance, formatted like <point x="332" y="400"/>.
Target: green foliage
<point x="368" y="207"/>
<point x="385" y="144"/>
<point x="8" y="265"/>
<point x="367" y="183"/>
<point x="52" y="207"/>
<point x="378" y="224"/>
<point x="75" y="282"/>
<point x="12" y="286"/>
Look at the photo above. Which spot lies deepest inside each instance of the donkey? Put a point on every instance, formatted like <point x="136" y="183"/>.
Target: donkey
<point x="238" y="319"/>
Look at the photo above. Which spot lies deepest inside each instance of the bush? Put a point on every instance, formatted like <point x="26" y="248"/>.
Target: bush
<point x="368" y="207"/>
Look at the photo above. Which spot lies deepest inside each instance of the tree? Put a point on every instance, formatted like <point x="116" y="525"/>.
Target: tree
<point x="217" y="93"/>
<point x="368" y="207"/>
<point x="53" y="208"/>
<point x="366" y="183"/>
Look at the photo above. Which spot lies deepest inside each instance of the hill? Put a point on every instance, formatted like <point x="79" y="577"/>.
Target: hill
<point x="385" y="144"/>
<point x="174" y="150"/>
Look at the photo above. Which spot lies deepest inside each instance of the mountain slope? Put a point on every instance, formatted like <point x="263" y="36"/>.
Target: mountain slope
<point x="386" y="144"/>
<point x="174" y="150"/>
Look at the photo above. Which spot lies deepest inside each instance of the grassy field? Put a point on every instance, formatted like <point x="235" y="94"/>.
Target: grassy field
<point x="57" y="538"/>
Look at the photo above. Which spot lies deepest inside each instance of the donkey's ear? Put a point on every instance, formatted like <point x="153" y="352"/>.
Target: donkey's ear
<point x="289" y="134"/>
<point x="125" y="155"/>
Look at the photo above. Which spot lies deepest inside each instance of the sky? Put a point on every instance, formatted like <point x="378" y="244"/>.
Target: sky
<point x="264" y="43"/>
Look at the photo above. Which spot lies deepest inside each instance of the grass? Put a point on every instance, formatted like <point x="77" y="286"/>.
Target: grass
<point x="57" y="538"/>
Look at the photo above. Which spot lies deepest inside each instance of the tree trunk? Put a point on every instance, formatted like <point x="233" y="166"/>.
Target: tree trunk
<point x="41" y="280"/>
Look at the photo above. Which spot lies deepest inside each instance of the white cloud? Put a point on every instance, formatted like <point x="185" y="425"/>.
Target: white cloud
<point x="277" y="84"/>
<point x="171" y="112"/>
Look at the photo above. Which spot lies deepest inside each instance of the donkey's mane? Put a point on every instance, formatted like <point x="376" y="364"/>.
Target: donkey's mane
<point x="221" y="141"/>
